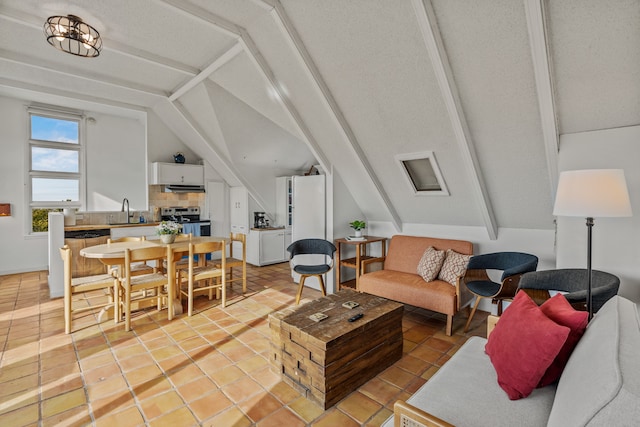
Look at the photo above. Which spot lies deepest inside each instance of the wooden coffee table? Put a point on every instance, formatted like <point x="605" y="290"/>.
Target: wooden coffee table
<point x="327" y="360"/>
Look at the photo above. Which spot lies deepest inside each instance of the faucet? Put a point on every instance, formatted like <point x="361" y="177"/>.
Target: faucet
<point x="125" y="200"/>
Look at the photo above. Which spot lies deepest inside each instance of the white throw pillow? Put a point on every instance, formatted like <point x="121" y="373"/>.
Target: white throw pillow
<point x="430" y="263"/>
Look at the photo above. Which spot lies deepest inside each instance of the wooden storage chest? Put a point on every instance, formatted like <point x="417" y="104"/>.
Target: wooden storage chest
<point x="327" y="360"/>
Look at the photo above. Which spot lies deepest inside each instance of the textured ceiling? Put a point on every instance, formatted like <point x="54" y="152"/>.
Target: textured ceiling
<point x="266" y="86"/>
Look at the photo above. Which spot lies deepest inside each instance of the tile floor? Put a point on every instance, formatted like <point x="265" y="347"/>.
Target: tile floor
<point x="211" y="369"/>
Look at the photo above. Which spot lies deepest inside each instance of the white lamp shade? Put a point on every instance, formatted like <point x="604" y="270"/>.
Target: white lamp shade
<point x="592" y="193"/>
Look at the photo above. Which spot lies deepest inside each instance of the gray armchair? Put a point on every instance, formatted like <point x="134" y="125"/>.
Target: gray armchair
<point x="574" y="281"/>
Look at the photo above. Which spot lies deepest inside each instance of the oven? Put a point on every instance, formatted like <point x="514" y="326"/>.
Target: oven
<point x="189" y="217"/>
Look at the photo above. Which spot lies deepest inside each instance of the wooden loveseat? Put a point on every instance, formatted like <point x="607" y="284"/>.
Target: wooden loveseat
<point x="399" y="279"/>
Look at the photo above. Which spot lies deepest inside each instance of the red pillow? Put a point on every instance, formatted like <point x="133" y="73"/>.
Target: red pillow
<point x="560" y="311"/>
<point x="523" y="345"/>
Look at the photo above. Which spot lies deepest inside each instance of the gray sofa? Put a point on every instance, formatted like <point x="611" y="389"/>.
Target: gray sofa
<point x="600" y="386"/>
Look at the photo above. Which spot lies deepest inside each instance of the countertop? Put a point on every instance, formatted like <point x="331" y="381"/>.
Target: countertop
<point x="267" y="228"/>
<point x="103" y="226"/>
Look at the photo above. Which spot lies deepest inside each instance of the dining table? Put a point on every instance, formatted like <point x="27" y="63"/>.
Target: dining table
<point x="114" y="253"/>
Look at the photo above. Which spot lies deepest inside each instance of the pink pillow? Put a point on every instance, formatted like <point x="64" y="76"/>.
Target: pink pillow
<point x="523" y="345"/>
<point x="560" y="311"/>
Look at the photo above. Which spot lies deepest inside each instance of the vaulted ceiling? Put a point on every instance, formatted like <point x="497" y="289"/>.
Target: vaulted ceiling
<point x="268" y="87"/>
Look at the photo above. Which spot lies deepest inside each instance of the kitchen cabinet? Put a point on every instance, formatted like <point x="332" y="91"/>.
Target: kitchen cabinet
<point x="239" y="206"/>
<point x="267" y="246"/>
<point x="81" y="266"/>
<point x="178" y="174"/>
<point x="284" y="201"/>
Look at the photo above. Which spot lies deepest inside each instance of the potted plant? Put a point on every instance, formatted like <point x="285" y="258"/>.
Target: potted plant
<point x="358" y="225"/>
<point x="167" y="230"/>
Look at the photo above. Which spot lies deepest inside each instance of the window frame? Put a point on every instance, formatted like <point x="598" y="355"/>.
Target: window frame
<point x="424" y="155"/>
<point x="80" y="176"/>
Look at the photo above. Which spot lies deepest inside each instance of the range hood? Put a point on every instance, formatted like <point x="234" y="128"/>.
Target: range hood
<point x="176" y="188"/>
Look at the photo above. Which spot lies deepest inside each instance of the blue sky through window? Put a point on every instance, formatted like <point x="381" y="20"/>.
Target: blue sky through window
<point x="51" y="159"/>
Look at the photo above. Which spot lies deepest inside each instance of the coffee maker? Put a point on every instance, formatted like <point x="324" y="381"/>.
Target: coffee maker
<point x="259" y="220"/>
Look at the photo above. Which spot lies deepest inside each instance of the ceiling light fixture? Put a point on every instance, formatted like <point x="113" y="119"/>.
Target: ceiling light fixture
<point x="71" y="35"/>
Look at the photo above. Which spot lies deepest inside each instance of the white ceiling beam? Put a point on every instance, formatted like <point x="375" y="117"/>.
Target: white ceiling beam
<point x="221" y="24"/>
<point x="442" y="69"/>
<point x="11" y="87"/>
<point x="288" y="29"/>
<point x="108" y="45"/>
<point x="84" y="75"/>
<point x="536" y="24"/>
<point x="210" y="69"/>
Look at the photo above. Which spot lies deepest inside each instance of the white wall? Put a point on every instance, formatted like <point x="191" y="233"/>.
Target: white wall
<point x="17" y="252"/>
<point x="615" y="240"/>
<point x="116" y="158"/>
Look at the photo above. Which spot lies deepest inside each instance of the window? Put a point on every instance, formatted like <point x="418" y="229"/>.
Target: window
<point x="55" y="165"/>
<point x="422" y="173"/>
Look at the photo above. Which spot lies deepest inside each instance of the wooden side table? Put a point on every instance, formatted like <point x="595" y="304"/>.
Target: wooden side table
<point x="361" y="255"/>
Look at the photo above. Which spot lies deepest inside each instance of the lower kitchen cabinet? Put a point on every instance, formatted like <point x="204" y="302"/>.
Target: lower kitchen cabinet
<point x="81" y="266"/>
<point x="268" y="246"/>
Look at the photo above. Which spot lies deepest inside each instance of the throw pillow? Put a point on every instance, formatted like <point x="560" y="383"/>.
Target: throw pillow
<point x="430" y="263"/>
<point x="454" y="265"/>
<point x="560" y="311"/>
<point x="523" y="345"/>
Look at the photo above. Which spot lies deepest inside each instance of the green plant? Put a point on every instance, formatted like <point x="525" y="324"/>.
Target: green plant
<point x="169" y="227"/>
<point x="357" y="224"/>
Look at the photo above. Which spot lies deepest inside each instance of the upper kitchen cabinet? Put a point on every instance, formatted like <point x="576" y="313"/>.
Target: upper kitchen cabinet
<point x="177" y="173"/>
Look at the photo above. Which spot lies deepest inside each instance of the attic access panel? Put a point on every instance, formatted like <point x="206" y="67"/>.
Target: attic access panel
<point x="422" y="173"/>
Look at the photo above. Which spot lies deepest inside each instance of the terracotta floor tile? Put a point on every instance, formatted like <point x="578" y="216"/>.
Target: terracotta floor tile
<point x="151" y="388"/>
<point x="129" y="417"/>
<point x="158" y="405"/>
<point x="259" y="406"/>
<point x="227" y="375"/>
<point x="107" y="387"/>
<point x="210" y="405"/>
<point x="63" y="385"/>
<point x="196" y="389"/>
<point x="380" y="391"/>
<point x="232" y="417"/>
<point x="379" y="418"/>
<point x="282" y="417"/>
<point x="115" y="403"/>
<point x="143" y="375"/>
<point x="284" y="392"/>
<point x="396" y="376"/>
<point x="20" y="399"/>
<point x="333" y="418"/>
<point x="242" y="389"/>
<point x="183" y="375"/>
<point x="22" y="416"/>
<point x="101" y="373"/>
<point x="178" y="418"/>
<point x="359" y="406"/>
<point x="78" y="416"/>
<point x="19" y="384"/>
<point x="63" y="402"/>
<point x="306" y="409"/>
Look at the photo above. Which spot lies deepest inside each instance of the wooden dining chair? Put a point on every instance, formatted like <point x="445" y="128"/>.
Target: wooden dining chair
<point x="152" y="285"/>
<point x="213" y="276"/>
<point x="240" y="261"/>
<point x="75" y="286"/>
<point x="138" y="268"/>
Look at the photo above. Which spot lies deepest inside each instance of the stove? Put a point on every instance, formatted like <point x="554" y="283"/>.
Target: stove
<point x="189" y="217"/>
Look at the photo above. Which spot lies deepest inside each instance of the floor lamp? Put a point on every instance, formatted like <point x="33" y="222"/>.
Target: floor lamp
<point x="592" y="193"/>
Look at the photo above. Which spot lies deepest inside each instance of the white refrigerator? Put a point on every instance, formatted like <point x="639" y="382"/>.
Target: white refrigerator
<point x="309" y="217"/>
